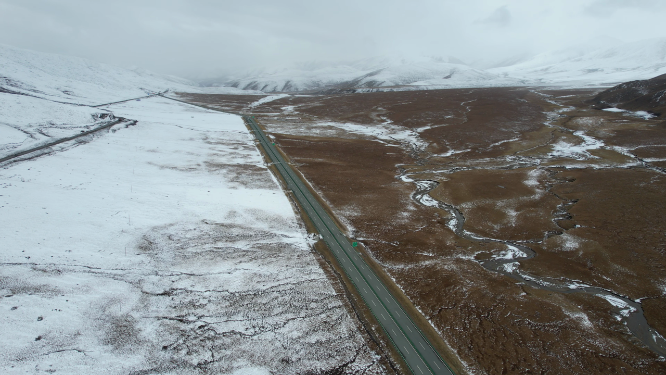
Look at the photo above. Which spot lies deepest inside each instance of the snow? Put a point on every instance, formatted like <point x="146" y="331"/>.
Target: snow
<point x="267" y="99"/>
<point x="27" y="121"/>
<point x="76" y="80"/>
<point x="452" y="152"/>
<point x="252" y="371"/>
<point x="19" y="111"/>
<point x="533" y="178"/>
<point x="427" y="200"/>
<point x="581" y="317"/>
<point x="511" y="252"/>
<point x="511" y="267"/>
<point x="614" y="110"/>
<point x="642" y="114"/>
<point x="165" y="246"/>
<point x="576" y="285"/>
<point x="387" y="71"/>
<point x="11" y="137"/>
<point x="564" y="149"/>
<point x="618" y="303"/>
<point x="288" y="109"/>
<point x="386" y="132"/>
<point x="599" y="65"/>
<point x="569" y="242"/>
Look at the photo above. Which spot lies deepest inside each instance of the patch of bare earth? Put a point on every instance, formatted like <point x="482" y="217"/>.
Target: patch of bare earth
<point x="582" y="188"/>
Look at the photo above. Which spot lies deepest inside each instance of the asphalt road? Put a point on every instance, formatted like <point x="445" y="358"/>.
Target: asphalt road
<point x="405" y="335"/>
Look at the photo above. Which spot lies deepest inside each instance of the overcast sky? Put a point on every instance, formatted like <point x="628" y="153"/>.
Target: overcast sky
<point x="203" y="38"/>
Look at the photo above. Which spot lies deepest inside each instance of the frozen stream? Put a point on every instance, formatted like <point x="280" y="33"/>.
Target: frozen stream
<point x="630" y="312"/>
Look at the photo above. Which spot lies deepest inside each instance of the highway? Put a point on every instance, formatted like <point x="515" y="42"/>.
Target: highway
<point x="409" y="341"/>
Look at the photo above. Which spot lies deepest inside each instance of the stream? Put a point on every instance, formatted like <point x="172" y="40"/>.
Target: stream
<point x="628" y="311"/>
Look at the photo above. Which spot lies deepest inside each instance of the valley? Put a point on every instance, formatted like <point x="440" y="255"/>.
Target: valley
<point x="511" y="213"/>
<point x="524" y="224"/>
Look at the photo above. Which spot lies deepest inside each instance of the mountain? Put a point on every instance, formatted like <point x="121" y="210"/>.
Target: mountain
<point x="76" y="80"/>
<point x="645" y="95"/>
<point x="600" y="61"/>
<point x="592" y="64"/>
<point x="382" y="72"/>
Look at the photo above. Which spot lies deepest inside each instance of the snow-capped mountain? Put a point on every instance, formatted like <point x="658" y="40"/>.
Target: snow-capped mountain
<point x="367" y="73"/>
<point x="582" y="66"/>
<point x="600" y="61"/>
<point x="77" y="80"/>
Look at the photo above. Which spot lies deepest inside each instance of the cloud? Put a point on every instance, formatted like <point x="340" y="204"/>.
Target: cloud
<point x="606" y="8"/>
<point x="206" y="38"/>
<point x="500" y="17"/>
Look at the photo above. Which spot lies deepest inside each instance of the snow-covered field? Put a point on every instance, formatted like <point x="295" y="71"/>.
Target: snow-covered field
<point x="163" y="247"/>
<point x="45" y="96"/>
<point x="27" y="122"/>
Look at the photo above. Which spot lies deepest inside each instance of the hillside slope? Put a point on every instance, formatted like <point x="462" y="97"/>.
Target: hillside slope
<point x="643" y="95"/>
<point x="77" y="80"/>
<point x="594" y="66"/>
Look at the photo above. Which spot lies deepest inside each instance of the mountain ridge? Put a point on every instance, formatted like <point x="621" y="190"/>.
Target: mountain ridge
<point x="600" y="62"/>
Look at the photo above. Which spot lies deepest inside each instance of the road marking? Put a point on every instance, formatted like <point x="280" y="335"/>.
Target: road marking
<point x="419" y="369"/>
<point x="397" y="313"/>
<point x="382" y="314"/>
<point x="410" y="330"/>
<point x="437" y="366"/>
<point x="407" y="351"/>
<point x="422" y="345"/>
<point x="373" y="302"/>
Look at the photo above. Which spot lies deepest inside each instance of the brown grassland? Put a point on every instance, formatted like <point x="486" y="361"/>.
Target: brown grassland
<point x="585" y="189"/>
